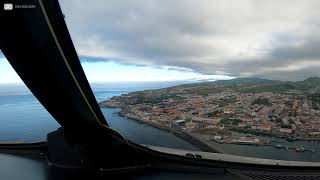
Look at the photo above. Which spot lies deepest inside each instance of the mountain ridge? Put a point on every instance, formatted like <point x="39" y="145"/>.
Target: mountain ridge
<point x="310" y="85"/>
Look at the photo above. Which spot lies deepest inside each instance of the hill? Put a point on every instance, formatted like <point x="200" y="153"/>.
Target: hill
<point x="256" y="85"/>
<point x="234" y="82"/>
<point x="246" y="81"/>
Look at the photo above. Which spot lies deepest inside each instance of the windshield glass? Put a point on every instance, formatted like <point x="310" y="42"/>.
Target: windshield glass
<point x="22" y="118"/>
<point x="236" y="77"/>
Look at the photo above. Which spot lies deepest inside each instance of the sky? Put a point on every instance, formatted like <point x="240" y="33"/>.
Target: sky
<point x="168" y="40"/>
<point x="110" y="71"/>
<point x="7" y="73"/>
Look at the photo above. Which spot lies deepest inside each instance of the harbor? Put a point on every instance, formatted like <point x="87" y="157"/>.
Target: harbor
<point x="238" y="139"/>
<point x="287" y="150"/>
<point x="251" y="140"/>
<point x="177" y="131"/>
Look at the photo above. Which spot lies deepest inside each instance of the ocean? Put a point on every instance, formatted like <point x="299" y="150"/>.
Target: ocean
<point x="24" y="119"/>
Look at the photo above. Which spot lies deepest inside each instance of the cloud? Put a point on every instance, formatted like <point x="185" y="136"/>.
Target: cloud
<point x="271" y="39"/>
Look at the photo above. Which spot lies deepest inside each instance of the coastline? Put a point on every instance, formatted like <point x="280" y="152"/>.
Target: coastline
<point x="203" y="146"/>
<point x="190" y="138"/>
<point x="278" y="149"/>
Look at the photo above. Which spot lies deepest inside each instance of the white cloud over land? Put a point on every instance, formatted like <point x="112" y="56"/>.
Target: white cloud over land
<point x="276" y="39"/>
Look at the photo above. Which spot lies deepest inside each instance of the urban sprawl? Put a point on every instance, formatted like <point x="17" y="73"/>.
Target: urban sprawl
<point x="213" y="111"/>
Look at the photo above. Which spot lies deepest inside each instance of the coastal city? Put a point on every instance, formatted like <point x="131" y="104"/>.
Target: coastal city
<point x="212" y="112"/>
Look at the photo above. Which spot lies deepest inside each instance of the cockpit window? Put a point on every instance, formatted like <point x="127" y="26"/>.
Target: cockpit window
<point x="22" y="118"/>
<point x="233" y="77"/>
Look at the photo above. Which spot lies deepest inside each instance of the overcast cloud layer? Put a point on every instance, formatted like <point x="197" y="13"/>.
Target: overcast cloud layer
<point x="274" y="39"/>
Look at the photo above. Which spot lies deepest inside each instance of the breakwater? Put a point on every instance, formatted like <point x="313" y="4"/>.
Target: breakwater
<point x="177" y="131"/>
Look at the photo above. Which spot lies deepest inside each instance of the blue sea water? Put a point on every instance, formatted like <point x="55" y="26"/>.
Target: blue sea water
<point x="24" y="119"/>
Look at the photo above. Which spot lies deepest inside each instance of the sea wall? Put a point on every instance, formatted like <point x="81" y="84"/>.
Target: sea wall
<point x="177" y="131"/>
